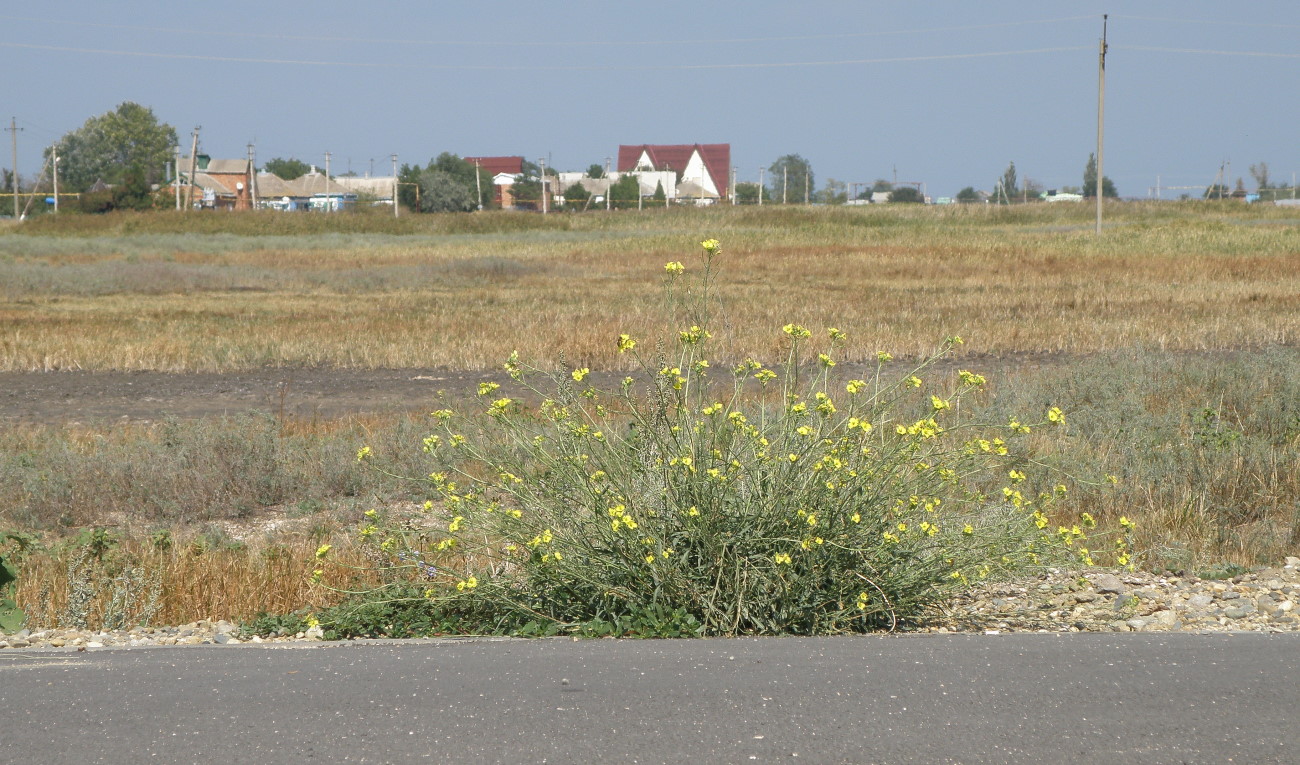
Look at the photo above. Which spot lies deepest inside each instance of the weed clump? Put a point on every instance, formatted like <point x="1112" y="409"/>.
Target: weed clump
<point x="750" y="500"/>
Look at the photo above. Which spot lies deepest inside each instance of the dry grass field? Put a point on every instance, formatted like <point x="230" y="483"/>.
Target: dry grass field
<point x="1177" y="277"/>
<point x="1176" y="330"/>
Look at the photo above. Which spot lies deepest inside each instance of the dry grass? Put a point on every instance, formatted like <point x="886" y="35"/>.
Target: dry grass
<point x="1031" y="279"/>
<point x="194" y="581"/>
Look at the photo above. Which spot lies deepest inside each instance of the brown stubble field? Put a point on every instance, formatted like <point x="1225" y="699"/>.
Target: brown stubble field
<point x="898" y="282"/>
<point x="1173" y="338"/>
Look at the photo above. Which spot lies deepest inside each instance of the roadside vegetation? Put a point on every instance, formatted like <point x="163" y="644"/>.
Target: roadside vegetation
<point x="1179" y="325"/>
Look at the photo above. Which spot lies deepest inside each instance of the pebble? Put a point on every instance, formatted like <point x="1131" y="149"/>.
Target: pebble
<point x="1262" y="600"/>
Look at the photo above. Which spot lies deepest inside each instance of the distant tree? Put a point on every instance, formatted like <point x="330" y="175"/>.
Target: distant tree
<point x="105" y="147"/>
<point x="747" y="193"/>
<point x="880" y="185"/>
<point x="625" y="192"/>
<point x="595" y="171"/>
<point x="906" y="194"/>
<point x="791" y="173"/>
<point x="834" y="193"/>
<point x="1090" y="180"/>
<point x="1217" y="191"/>
<point x="441" y="191"/>
<point x="408" y="183"/>
<point x="1260" y="174"/>
<point x="968" y="194"/>
<point x="287" y="169"/>
<point x="133" y="193"/>
<point x="576" y="196"/>
<point x="1007" y="186"/>
<point x="659" y="195"/>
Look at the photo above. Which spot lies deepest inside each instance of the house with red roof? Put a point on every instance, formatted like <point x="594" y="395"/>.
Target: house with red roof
<point x="703" y="169"/>
<point x="504" y="172"/>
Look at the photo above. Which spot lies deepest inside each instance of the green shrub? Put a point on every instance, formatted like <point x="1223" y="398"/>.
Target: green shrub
<point x="753" y="501"/>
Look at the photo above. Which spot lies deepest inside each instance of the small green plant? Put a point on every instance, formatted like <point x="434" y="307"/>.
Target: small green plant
<point x="11" y="617"/>
<point x="695" y="499"/>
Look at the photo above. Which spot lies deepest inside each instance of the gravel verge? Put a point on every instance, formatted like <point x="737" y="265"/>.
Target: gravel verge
<point x="1262" y="600"/>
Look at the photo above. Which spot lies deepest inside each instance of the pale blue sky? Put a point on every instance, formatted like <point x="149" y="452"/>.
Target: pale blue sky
<point x="945" y="92"/>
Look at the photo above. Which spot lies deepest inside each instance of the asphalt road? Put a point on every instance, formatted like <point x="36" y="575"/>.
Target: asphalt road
<point x="1025" y="698"/>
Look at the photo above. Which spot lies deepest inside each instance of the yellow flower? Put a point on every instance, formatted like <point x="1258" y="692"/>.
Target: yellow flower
<point x="1016" y="476"/>
<point x="711" y="246"/>
<point x="780" y="558"/>
<point x="362" y="453"/>
<point x="764" y="376"/>
<point x="883" y="356"/>
<point x="825" y="361"/>
<point x="796" y="331"/>
<point x="1126" y="523"/>
<point x="968" y="530"/>
<point x="835" y="334"/>
<point x="694" y="511"/>
<point x="938" y="404"/>
<point x="674" y="268"/>
<point x="650" y="558"/>
<point x="693" y="335"/>
<point x="443" y="414"/>
<point x="322" y="551"/>
<point x="484" y="388"/>
<point x="1056" y="416"/>
<point x="454" y="526"/>
<point x="855" y="386"/>
<point x="856" y="518"/>
<point x="970" y="378"/>
<point x="913" y="381"/>
<point x="579" y="374"/>
<point x="625" y="344"/>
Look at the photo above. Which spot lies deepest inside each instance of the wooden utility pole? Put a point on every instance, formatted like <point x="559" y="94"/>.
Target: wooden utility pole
<point x="396" y="206"/>
<point x="252" y="178"/>
<point x="760" y="187"/>
<point x="478" y="182"/>
<point x="13" y="131"/>
<point x="176" y="175"/>
<point x="785" y="182"/>
<point x="54" y="163"/>
<point x="194" y="164"/>
<point x="1100" y="191"/>
<point x="541" y="163"/>
<point x="329" y="205"/>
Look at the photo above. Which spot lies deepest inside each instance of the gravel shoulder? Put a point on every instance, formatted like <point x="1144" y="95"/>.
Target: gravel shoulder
<point x="1263" y="600"/>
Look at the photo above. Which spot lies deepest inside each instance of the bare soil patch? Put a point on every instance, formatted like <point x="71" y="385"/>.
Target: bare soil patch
<point x="68" y="397"/>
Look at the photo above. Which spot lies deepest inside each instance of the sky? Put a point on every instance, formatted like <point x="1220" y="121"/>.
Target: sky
<point x="939" y="93"/>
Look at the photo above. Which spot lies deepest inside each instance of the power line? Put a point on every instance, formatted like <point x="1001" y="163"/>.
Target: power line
<point x="553" y="68"/>
<point x="1251" y="53"/>
<point x="536" y="43"/>
<point x="1256" y="24"/>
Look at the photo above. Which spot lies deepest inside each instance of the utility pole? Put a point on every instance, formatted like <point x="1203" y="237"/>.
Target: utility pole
<point x="608" y="184"/>
<point x="806" y="190"/>
<point x="194" y="163"/>
<point x="760" y="187"/>
<point x="329" y="205"/>
<point x="541" y="164"/>
<point x="478" y="181"/>
<point x="732" y="185"/>
<point x="252" y="178"/>
<point x="176" y="177"/>
<point x="54" y="163"/>
<point x="1101" y="122"/>
<point x="785" y="182"/>
<point x="396" y="206"/>
<point x="13" y="131"/>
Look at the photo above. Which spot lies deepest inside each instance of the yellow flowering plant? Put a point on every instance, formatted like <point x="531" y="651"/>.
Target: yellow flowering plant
<point x="761" y="501"/>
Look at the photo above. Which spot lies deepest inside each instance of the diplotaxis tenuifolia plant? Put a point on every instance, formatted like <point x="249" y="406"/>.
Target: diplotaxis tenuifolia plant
<point x="736" y="499"/>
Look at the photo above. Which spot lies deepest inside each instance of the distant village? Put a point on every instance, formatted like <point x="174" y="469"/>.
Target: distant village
<point x="697" y="174"/>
